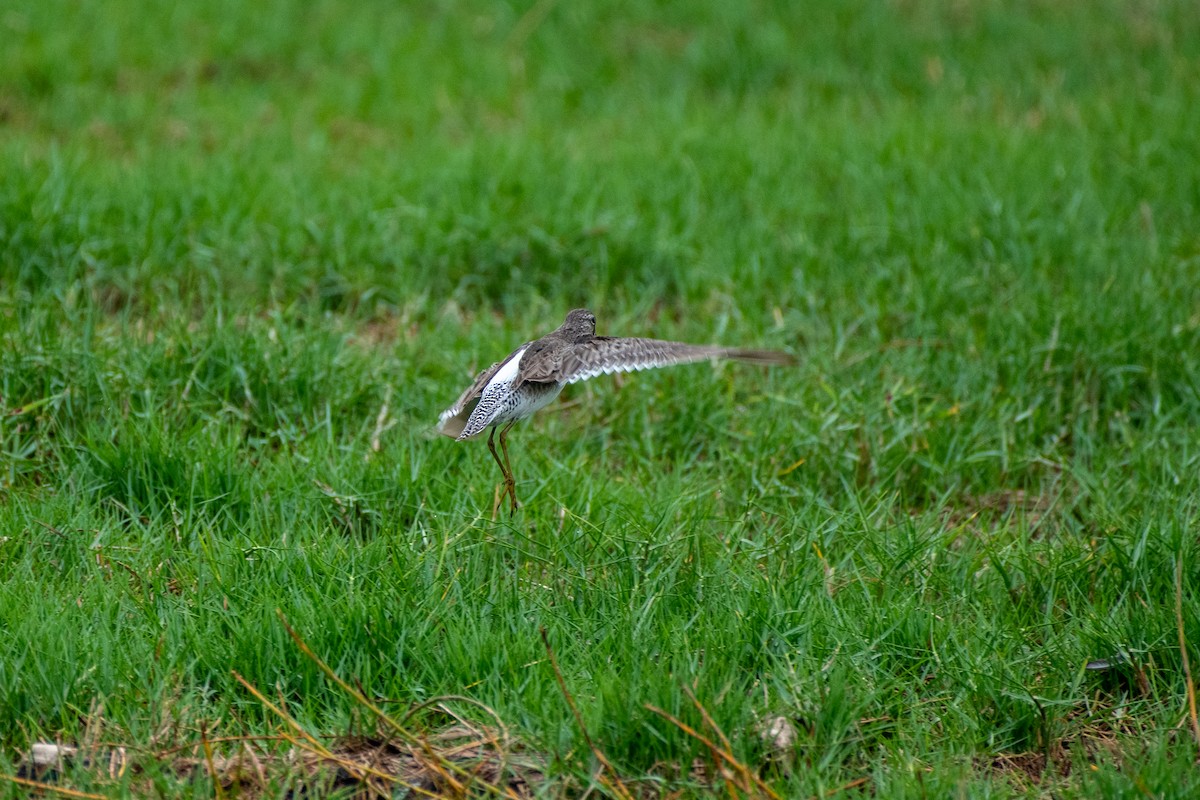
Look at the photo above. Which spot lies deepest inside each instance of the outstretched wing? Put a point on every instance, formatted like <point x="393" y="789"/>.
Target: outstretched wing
<point x="452" y="421"/>
<point x="604" y="354"/>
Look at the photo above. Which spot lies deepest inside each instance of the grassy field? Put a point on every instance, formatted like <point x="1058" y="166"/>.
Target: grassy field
<point x="248" y="251"/>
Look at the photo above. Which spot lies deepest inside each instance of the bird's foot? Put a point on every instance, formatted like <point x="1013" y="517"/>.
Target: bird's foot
<point x="511" y="489"/>
<point x="506" y="489"/>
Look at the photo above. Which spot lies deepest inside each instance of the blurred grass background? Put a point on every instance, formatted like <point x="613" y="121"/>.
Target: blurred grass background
<point x="249" y="251"/>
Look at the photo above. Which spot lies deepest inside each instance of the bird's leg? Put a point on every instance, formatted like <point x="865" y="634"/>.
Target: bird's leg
<point x="508" y="485"/>
<point x="512" y="484"/>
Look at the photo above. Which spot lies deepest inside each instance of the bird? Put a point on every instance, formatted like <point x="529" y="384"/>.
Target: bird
<point x="536" y="372"/>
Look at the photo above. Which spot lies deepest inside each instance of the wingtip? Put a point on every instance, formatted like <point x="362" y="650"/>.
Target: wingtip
<point x="767" y="358"/>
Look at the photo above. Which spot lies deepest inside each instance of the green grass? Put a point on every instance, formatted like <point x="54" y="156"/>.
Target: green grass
<point x="239" y="243"/>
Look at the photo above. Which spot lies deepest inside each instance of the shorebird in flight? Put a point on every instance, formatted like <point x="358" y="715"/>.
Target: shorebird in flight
<point x="534" y="374"/>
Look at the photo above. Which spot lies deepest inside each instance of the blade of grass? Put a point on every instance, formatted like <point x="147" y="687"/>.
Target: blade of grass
<point x="618" y="786"/>
<point x="49" y="787"/>
<point x="1183" y="650"/>
<point x="715" y="749"/>
<point x="218" y="788"/>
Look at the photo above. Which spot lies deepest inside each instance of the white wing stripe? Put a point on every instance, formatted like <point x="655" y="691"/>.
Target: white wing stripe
<point x="632" y="366"/>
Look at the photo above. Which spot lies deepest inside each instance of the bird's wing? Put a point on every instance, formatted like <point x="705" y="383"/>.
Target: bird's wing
<point x="604" y="354"/>
<point x="452" y="421"/>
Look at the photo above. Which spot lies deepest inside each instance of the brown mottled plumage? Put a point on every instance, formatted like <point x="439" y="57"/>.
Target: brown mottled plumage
<point x="533" y="375"/>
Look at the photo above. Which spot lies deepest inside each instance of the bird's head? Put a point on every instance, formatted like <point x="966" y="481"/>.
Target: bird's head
<point x="579" y="324"/>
